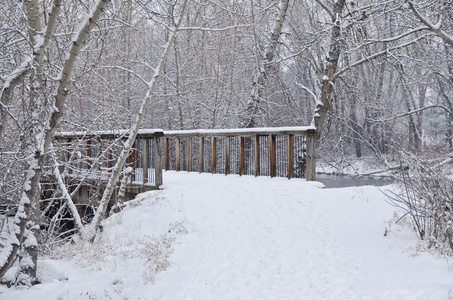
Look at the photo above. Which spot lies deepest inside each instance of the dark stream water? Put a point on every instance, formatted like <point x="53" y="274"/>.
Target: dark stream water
<point x="339" y="181"/>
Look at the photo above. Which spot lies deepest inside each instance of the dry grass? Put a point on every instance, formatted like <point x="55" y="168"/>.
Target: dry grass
<point x="154" y="250"/>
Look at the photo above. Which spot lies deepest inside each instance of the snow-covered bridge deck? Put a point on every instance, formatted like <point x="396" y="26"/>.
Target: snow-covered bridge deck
<point x="276" y="152"/>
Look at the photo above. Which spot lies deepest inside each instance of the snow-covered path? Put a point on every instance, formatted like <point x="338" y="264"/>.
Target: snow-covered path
<point x="261" y="238"/>
<point x="256" y="238"/>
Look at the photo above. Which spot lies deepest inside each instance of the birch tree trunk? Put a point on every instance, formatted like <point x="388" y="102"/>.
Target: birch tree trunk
<point x="259" y="81"/>
<point x="43" y="132"/>
<point x="29" y="203"/>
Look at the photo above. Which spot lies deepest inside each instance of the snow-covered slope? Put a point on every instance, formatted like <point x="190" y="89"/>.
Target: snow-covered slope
<point x="230" y="237"/>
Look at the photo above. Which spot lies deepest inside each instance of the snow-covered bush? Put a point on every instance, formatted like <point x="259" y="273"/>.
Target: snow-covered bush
<point x="426" y="196"/>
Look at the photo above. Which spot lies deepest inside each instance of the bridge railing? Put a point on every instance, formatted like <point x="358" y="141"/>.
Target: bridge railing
<point x="275" y="152"/>
<point x="91" y="157"/>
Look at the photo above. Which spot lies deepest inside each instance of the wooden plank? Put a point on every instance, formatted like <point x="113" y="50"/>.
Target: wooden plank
<point x="189" y="154"/>
<point x="241" y="156"/>
<point x="227" y="155"/>
<point x="178" y="154"/>
<point x="214" y="155"/>
<point x="257" y="155"/>
<point x="201" y="154"/>
<point x="272" y="156"/>
<point x="290" y="151"/>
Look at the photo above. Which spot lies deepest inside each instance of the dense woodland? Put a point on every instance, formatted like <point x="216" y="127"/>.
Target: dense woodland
<point x="374" y="77"/>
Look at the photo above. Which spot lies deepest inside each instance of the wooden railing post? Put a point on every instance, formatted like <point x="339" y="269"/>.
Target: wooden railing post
<point x="145" y="159"/>
<point x="189" y="154"/>
<point x="96" y="160"/>
<point x="201" y="154"/>
<point x="290" y="156"/>
<point x="241" y="156"/>
<point x="167" y="155"/>
<point x="68" y="155"/>
<point x="257" y="155"/>
<point x="272" y="156"/>
<point x="178" y="154"/>
<point x="109" y="159"/>
<point x="214" y="155"/>
<point x="158" y="160"/>
<point x="88" y="163"/>
<point x="310" y="169"/>
<point x="227" y="155"/>
<point x="133" y="160"/>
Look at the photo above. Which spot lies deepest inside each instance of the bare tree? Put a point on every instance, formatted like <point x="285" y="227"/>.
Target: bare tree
<point x="43" y="127"/>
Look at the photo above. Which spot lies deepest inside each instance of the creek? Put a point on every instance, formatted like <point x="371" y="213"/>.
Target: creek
<point x="340" y="181"/>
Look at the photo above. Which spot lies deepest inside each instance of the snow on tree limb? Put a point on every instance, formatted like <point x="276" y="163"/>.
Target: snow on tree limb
<point x="68" y="200"/>
<point x="374" y="56"/>
<point x="433" y="27"/>
<point x="216" y="29"/>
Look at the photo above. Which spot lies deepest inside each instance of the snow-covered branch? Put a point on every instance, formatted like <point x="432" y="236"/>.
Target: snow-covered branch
<point x="417" y="111"/>
<point x="388" y="40"/>
<point x="375" y="55"/>
<point x="308" y="90"/>
<point x="432" y="27"/>
<point x="126" y="70"/>
<point x="216" y="29"/>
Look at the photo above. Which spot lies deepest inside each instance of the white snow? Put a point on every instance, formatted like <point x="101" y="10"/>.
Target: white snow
<point x="231" y="237"/>
<point x="237" y="131"/>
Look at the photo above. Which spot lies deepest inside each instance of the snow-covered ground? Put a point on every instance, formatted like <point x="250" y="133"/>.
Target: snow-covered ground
<point x="230" y="237"/>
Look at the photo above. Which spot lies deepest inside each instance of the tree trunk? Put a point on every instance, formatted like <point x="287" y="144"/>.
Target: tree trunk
<point x="259" y="81"/>
<point x="43" y="134"/>
<point x="323" y="106"/>
<point x="355" y="128"/>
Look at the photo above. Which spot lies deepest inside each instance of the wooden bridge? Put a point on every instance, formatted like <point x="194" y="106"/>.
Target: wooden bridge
<point x="87" y="158"/>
